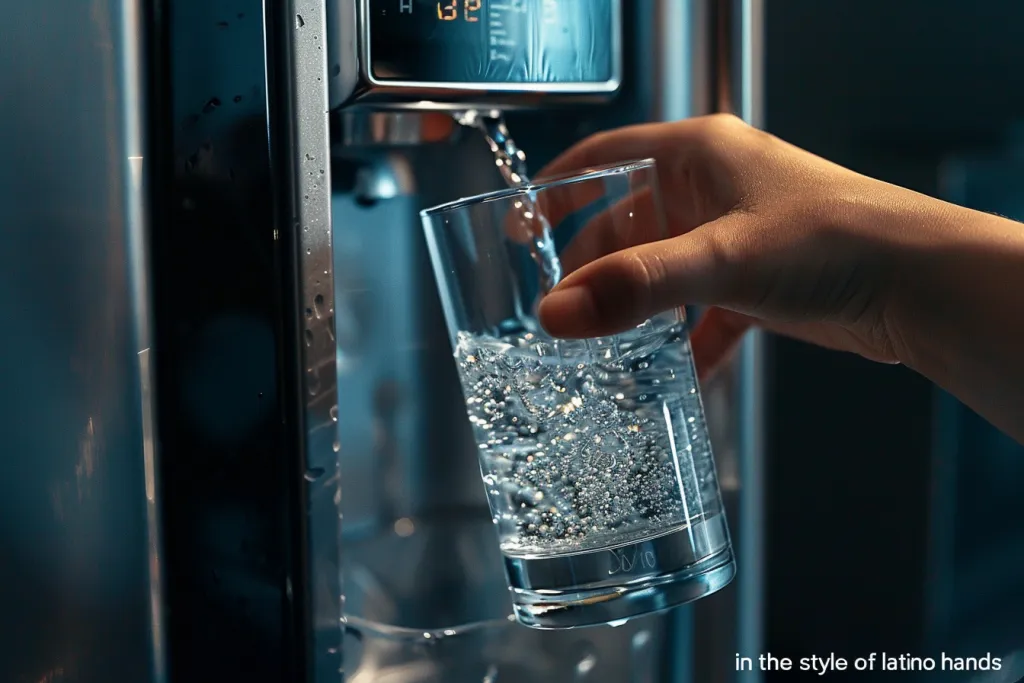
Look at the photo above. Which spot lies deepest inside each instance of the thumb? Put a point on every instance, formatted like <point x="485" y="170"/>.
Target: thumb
<point x="625" y="288"/>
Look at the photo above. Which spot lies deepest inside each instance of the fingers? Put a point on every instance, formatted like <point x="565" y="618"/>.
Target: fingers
<point x="561" y="201"/>
<point x="677" y="149"/>
<point x="716" y="336"/>
<point x="622" y="144"/>
<point x="437" y="127"/>
<point x="719" y="332"/>
<point x="832" y="336"/>
<point x="634" y="220"/>
<point x="555" y="204"/>
<point x="625" y="288"/>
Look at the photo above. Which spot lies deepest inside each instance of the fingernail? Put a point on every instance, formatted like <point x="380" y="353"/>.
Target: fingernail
<point x="568" y="312"/>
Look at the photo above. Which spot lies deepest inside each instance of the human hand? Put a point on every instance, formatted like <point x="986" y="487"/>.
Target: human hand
<point x="764" y="233"/>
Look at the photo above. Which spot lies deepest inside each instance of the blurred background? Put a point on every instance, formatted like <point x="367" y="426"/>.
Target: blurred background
<point x="895" y="521"/>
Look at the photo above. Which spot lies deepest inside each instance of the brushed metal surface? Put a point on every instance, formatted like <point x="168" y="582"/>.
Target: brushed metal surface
<point x="240" y="456"/>
<point x="80" y="579"/>
<point x="300" y="154"/>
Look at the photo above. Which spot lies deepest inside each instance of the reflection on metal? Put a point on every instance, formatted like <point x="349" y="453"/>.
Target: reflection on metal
<point x="407" y="449"/>
<point x="733" y="621"/>
<point x="361" y="129"/>
<point x="80" y="579"/>
<point x="683" y="63"/>
<point x="230" y="326"/>
<point x="149" y="454"/>
<point x="384" y="178"/>
<point x="300" y="150"/>
<point x="748" y="32"/>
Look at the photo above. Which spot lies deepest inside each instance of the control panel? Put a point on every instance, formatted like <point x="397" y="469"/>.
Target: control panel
<point x="459" y="51"/>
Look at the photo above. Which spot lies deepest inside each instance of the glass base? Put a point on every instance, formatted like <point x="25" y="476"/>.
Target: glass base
<point x="614" y="585"/>
<point x="441" y="614"/>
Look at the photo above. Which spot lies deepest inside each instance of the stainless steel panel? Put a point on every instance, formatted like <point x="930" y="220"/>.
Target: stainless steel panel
<point x="244" y="354"/>
<point x="732" y="621"/>
<point x="300" y="152"/>
<point x="81" y="571"/>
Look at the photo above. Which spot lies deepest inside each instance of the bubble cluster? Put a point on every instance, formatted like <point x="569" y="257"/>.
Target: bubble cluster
<point x="586" y="443"/>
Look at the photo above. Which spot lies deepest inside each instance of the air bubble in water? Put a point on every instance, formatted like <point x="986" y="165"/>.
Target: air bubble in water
<point x="572" y="464"/>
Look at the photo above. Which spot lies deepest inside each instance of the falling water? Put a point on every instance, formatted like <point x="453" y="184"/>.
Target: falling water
<point x="511" y="161"/>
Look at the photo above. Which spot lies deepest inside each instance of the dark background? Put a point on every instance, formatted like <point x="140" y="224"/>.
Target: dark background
<point x="881" y="527"/>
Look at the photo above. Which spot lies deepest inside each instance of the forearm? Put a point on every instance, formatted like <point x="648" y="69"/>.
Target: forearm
<point x="957" y="310"/>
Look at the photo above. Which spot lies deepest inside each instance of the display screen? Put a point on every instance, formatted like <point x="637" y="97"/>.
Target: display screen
<point x="493" y="41"/>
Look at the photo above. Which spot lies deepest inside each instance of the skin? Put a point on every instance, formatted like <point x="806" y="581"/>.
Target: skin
<point x="769" y="235"/>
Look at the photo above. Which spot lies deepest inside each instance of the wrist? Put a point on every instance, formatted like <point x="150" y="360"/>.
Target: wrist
<point x="919" y="238"/>
<point x="889" y="235"/>
<point x="954" y="310"/>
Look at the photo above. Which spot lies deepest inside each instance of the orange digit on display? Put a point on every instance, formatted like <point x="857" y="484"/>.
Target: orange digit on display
<point x="449" y="12"/>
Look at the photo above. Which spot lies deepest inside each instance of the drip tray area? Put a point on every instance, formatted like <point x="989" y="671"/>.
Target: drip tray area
<point x="426" y="602"/>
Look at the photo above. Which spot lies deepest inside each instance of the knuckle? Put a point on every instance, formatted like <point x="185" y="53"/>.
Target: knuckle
<point x="725" y="119"/>
<point x="724" y="250"/>
<point x="722" y="124"/>
<point x="715" y="128"/>
<point x="713" y="135"/>
<point x="624" y="285"/>
<point x="646" y="271"/>
<point x="597" y="141"/>
<point x="728" y="255"/>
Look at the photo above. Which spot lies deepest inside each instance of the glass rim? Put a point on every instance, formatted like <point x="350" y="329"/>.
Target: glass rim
<point x="546" y="183"/>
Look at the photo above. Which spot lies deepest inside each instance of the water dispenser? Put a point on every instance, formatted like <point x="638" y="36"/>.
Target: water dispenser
<point x="257" y="465"/>
<point x="410" y="482"/>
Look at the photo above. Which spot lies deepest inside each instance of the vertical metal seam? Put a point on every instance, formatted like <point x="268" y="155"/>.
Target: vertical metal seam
<point x="301" y="158"/>
<point x="134" y="44"/>
<point x="752" y="451"/>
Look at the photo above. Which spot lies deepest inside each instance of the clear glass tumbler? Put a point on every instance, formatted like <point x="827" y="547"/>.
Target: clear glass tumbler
<point x="595" y="452"/>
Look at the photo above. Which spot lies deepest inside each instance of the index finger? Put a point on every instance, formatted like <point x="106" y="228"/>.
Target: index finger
<point x="639" y="141"/>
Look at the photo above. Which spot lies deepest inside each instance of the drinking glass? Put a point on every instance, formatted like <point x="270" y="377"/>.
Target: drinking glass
<point x="594" y="452"/>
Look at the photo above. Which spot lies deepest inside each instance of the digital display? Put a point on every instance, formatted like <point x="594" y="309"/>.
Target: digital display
<point x="493" y="42"/>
